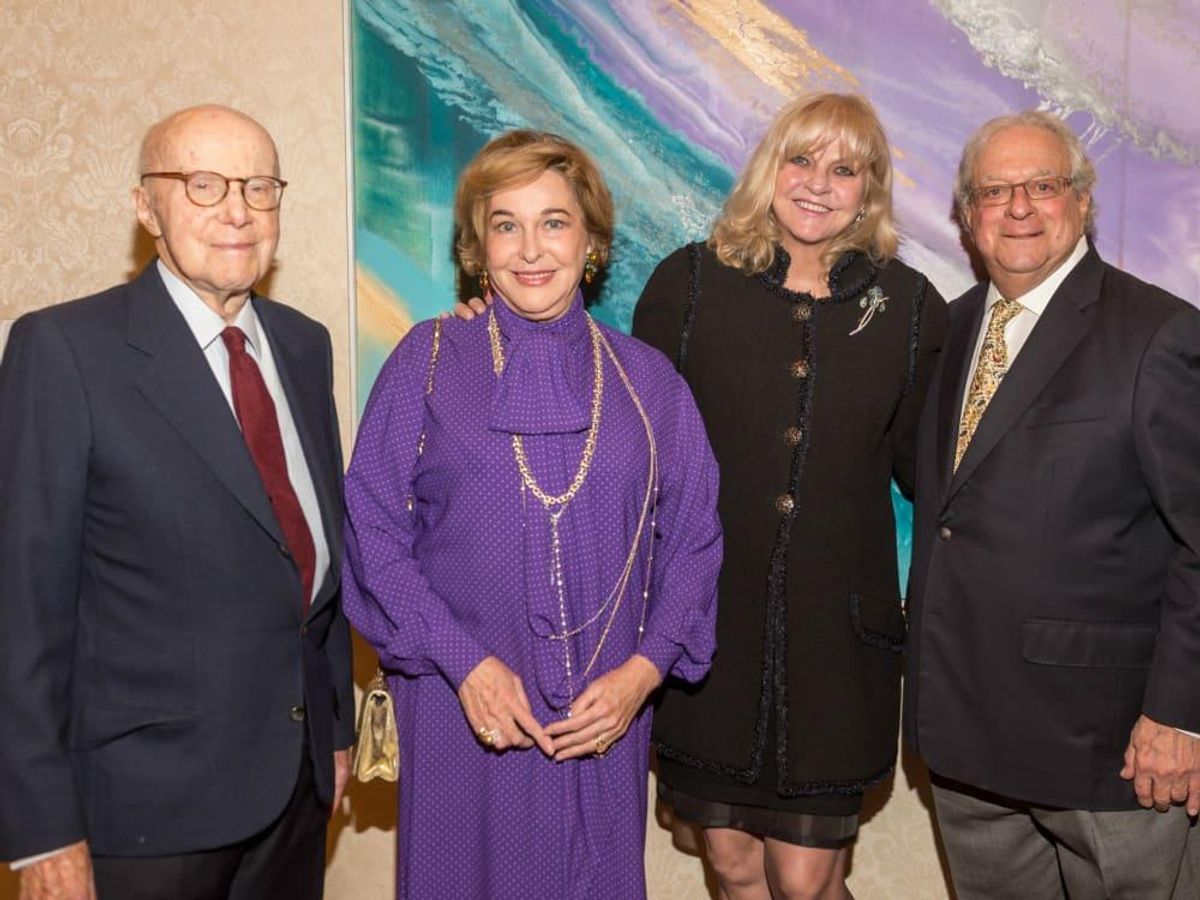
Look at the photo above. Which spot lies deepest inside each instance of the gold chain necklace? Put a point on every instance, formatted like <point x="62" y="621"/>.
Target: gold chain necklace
<point x="589" y="445"/>
<point x="555" y="506"/>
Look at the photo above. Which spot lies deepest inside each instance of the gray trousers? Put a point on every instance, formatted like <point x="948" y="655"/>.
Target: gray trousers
<point x="1000" y="849"/>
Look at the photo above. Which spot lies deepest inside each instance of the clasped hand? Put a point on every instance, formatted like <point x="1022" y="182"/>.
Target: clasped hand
<point x="1164" y="765"/>
<point x="498" y="710"/>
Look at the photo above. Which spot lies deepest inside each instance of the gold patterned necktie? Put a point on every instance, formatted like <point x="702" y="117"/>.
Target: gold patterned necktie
<point x="989" y="372"/>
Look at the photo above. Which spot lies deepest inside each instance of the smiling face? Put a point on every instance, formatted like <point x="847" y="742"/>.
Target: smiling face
<point x="1024" y="241"/>
<point x="536" y="243"/>
<point x="220" y="251"/>
<point x="817" y="196"/>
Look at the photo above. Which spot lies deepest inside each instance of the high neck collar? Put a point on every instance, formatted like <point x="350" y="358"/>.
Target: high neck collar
<point x="546" y="384"/>
<point x="851" y="274"/>
<point x="570" y="326"/>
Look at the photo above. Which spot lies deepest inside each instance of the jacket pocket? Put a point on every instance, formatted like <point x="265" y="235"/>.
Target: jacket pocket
<point x="1062" y="413"/>
<point x="877" y="623"/>
<point x="1114" y="645"/>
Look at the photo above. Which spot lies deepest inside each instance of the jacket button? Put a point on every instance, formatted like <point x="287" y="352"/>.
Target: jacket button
<point x="784" y="504"/>
<point x="944" y="533"/>
<point x="793" y="436"/>
<point x="296" y="713"/>
<point x="799" y="369"/>
<point x="802" y="312"/>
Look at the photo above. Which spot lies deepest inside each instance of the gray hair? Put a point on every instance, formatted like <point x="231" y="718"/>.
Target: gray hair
<point x="1083" y="173"/>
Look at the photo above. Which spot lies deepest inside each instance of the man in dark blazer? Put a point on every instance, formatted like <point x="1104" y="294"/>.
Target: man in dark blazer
<point x="175" y="684"/>
<point x="1054" y="658"/>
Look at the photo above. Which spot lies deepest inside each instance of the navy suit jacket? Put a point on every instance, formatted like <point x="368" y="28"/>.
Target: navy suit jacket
<point x="1056" y="574"/>
<point x="157" y="681"/>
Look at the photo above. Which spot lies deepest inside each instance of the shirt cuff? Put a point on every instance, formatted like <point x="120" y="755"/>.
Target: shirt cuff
<point x="30" y="860"/>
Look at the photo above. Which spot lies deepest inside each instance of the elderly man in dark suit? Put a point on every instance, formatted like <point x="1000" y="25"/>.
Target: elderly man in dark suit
<point x="1054" y="668"/>
<point x="175" y="684"/>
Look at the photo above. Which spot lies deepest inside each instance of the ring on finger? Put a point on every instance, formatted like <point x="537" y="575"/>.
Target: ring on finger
<point x="602" y="744"/>
<point x="488" y="736"/>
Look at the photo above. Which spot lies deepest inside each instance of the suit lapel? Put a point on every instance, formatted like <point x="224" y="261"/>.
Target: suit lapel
<point x="179" y="383"/>
<point x="960" y="350"/>
<point x="308" y="400"/>
<point x="1058" y="331"/>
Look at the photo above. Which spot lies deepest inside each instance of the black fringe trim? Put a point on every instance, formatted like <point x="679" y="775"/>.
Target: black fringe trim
<point x="852" y="273"/>
<point x="776" y="650"/>
<point x="689" y="311"/>
<point x="914" y="335"/>
<point x="847" y="788"/>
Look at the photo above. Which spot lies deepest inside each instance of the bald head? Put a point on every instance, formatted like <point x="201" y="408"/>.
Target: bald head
<point x="165" y="141"/>
<point x="219" y="249"/>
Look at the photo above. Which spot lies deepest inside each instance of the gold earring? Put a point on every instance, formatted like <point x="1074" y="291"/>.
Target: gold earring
<point x="862" y="214"/>
<point x="484" y="285"/>
<point x="591" y="266"/>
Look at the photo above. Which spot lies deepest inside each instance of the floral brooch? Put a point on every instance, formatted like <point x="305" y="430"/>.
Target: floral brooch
<point x="871" y="302"/>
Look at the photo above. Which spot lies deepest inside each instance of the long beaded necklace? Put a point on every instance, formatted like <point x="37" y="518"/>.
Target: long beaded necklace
<point x="556" y="505"/>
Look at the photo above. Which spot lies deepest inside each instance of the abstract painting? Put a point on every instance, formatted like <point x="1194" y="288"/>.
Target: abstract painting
<point x="670" y="96"/>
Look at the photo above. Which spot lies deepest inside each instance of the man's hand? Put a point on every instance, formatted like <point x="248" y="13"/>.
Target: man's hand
<point x="1164" y="765"/>
<point x="67" y="875"/>
<point x="469" y="309"/>
<point x="601" y="715"/>
<point x="495" y="704"/>
<point x="341" y="776"/>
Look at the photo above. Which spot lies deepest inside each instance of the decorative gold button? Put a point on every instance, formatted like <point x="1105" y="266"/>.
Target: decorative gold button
<point x="802" y="312"/>
<point x="945" y="533"/>
<point x="799" y="369"/>
<point x="793" y="436"/>
<point x="784" y="504"/>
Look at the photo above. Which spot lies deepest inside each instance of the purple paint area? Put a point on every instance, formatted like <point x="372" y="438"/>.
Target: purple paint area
<point x="932" y="89"/>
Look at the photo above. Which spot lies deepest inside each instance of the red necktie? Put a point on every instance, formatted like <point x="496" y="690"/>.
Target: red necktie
<point x="260" y="427"/>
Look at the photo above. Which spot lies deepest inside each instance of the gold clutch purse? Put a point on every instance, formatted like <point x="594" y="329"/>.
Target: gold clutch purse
<point x="377" y="750"/>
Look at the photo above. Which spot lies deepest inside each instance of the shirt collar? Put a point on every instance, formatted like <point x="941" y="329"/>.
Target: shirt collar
<point x="206" y="326"/>
<point x="1037" y="299"/>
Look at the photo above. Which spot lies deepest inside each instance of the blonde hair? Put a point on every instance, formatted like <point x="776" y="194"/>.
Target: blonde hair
<point x="746" y="234"/>
<point x="1083" y="173"/>
<point x="515" y="159"/>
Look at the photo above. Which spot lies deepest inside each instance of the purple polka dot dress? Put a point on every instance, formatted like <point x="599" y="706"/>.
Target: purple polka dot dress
<point x="449" y="560"/>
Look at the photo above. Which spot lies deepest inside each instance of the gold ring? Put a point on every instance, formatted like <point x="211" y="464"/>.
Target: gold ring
<point x="488" y="736"/>
<point x="602" y="745"/>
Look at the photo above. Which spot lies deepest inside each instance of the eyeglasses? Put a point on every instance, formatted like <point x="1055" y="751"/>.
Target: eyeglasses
<point x="1044" y="187"/>
<point x="261" y="192"/>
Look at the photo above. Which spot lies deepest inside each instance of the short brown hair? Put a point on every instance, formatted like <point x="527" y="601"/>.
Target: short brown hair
<point x="515" y="159"/>
<point x="745" y="234"/>
<point x="1083" y="173"/>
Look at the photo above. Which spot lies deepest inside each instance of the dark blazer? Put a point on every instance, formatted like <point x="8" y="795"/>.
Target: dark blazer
<point x="1056" y="575"/>
<point x="156" y="679"/>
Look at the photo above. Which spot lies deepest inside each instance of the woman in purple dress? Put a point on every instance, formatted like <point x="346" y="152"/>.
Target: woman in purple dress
<point x="532" y="547"/>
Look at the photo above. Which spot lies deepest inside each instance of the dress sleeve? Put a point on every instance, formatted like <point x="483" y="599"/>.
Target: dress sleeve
<point x="385" y="595"/>
<point x="929" y="318"/>
<point x="1166" y="433"/>
<point x="680" y="634"/>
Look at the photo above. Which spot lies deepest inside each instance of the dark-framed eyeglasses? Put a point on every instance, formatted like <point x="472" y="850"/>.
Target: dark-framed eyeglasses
<point x="1044" y="187"/>
<point x="261" y="192"/>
